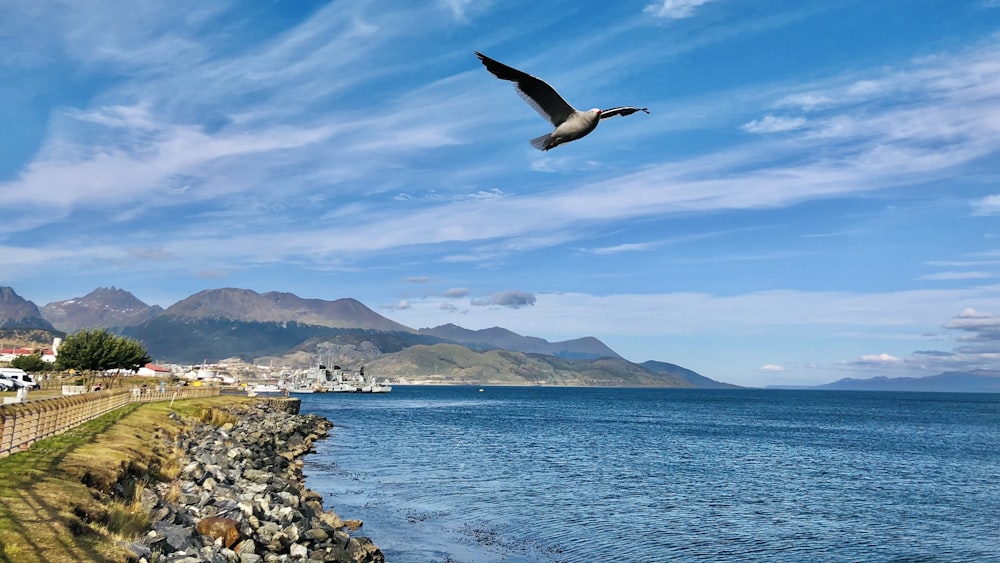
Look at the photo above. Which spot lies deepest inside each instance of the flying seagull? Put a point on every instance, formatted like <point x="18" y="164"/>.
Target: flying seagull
<point x="570" y="124"/>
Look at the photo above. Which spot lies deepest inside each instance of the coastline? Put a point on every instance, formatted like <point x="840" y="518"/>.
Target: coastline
<point x="240" y="493"/>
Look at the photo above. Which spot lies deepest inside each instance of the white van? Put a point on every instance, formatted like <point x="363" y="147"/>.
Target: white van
<point x="18" y="377"/>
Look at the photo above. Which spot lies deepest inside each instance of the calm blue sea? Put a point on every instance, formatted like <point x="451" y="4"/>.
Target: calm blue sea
<point x="526" y="474"/>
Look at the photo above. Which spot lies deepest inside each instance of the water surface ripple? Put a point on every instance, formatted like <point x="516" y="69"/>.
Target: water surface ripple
<point x="581" y="474"/>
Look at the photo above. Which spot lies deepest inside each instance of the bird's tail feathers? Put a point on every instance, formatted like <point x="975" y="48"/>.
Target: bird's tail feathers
<point x="541" y="143"/>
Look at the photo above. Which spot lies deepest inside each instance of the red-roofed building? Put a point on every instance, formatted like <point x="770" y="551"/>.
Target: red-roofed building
<point x="9" y="354"/>
<point x="154" y="370"/>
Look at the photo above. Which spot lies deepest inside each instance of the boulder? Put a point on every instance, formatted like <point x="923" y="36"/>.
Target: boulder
<point x="225" y="529"/>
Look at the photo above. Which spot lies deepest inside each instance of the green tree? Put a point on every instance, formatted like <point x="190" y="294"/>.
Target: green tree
<point x="32" y="363"/>
<point x="98" y="350"/>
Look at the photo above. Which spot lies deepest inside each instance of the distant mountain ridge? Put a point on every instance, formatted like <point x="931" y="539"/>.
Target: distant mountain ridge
<point x="453" y="363"/>
<point x="105" y="307"/>
<point x="976" y="381"/>
<point x="219" y="323"/>
<point x="496" y="337"/>
<point x="249" y="306"/>
<point x="17" y="312"/>
<point x="692" y="377"/>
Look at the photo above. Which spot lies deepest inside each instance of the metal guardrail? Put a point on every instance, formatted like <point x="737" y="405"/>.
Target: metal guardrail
<point x="23" y="424"/>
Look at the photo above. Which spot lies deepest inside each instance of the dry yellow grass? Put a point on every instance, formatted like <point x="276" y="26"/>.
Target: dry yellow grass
<point x="56" y="500"/>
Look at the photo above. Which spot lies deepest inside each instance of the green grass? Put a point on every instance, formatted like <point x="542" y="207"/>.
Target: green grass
<point x="56" y="498"/>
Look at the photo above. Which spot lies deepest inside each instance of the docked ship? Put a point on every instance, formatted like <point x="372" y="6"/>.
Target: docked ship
<point x="325" y="380"/>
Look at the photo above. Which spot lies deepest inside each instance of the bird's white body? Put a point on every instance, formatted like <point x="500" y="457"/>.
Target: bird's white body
<point x="578" y="124"/>
<point x="570" y="123"/>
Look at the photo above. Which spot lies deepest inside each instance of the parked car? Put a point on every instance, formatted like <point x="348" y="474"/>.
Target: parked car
<point x="18" y="378"/>
<point x="6" y="384"/>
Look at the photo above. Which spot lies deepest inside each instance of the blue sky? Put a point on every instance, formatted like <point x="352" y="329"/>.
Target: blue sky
<point x="814" y="195"/>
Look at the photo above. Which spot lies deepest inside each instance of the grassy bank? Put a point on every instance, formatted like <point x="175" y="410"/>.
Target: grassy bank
<point x="72" y="497"/>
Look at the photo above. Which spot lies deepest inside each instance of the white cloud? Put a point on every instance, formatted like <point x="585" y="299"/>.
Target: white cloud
<point x="979" y="343"/>
<point x="402" y="305"/>
<point x="127" y="117"/>
<point x="805" y="101"/>
<point x="772" y="368"/>
<point x="70" y="174"/>
<point x="879" y="359"/>
<point x="973" y="321"/>
<point x="946" y="276"/>
<point x="461" y="10"/>
<point x="674" y="9"/>
<point x="865" y="88"/>
<point x="976" y="347"/>
<point x="554" y="164"/>
<point x="701" y="314"/>
<point x="875" y="151"/>
<point x="510" y="299"/>
<point x="989" y="205"/>
<point x="628" y="247"/>
<point x="485" y="194"/>
<point x="773" y="124"/>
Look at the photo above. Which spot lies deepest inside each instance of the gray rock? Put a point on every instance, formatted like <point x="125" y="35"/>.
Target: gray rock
<point x="298" y="551"/>
<point x="175" y="538"/>
<point x="140" y="549"/>
<point x="250" y="471"/>
<point x="316" y="535"/>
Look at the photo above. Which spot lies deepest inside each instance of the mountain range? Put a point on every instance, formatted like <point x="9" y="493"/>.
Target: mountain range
<point x="221" y="323"/>
<point x="500" y="338"/>
<point x="17" y="312"/>
<point x="976" y="381"/>
<point x="286" y="329"/>
<point x="105" y="307"/>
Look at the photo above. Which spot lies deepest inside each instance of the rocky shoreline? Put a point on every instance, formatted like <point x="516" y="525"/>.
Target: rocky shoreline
<point x="240" y="496"/>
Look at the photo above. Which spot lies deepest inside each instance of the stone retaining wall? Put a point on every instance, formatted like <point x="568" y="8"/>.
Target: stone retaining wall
<point x="241" y="495"/>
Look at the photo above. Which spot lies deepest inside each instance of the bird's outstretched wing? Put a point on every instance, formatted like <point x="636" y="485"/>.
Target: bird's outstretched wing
<point x="539" y="95"/>
<point x="622" y="111"/>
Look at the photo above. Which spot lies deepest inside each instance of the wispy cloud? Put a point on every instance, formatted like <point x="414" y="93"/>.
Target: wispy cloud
<point x="674" y="9"/>
<point x="976" y="347"/>
<point x="989" y="205"/>
<point x="746" y="313"/>
<point x="627" y="247"/>
<point x="401" y="305"/>
<point x="460" y="9"/>
<point x="947" y="124"/>
<point x="980" y="332"/>
<point x="773" y="124"/>
<point x="805" y="101"/>
<point x="949" y="276"/>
